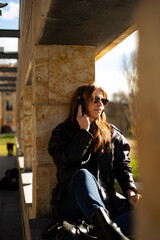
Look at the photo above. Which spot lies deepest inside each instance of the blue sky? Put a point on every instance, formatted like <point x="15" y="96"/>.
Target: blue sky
<point x="109" y="70"/>
<point x="9" y="18"/>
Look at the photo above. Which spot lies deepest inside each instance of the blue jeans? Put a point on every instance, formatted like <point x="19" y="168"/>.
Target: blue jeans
<point x="82" y="197"/>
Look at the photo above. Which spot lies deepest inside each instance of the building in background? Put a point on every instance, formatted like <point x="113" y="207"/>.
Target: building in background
<point x="7" y="98"/>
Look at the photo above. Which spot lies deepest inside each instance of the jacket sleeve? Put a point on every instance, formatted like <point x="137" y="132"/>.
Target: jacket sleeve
<point x="121" y="168"/>
<point x="65" y="150"/>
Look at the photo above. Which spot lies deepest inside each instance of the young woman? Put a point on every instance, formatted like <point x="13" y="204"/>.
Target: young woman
<point x="89" y="154"/>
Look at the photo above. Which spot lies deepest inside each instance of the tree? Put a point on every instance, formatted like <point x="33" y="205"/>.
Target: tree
<point x="131" y="73"/>
<point x="120" y="97"/>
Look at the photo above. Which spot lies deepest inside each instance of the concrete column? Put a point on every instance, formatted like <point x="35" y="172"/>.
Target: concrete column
<point x="21" y="135"/>
<point x="27" y="111"/>
<point x="57" y="72"/>
<point x="149" y="118"/>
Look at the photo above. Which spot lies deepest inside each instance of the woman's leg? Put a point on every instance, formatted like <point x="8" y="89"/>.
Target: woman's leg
<point x="121" y="212"/>
<point x="125" y="222"/>
<point x="81" y="197"/>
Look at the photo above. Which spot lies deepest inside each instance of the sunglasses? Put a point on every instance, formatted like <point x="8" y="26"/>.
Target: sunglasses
<point x="103" y="100"/>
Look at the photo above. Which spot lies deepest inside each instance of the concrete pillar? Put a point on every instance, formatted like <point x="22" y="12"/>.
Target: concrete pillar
<point x="149" y="118"/>
<point x="21" y="135"/>
<point x="57" y="72"/>
<point x="27" y="131"/>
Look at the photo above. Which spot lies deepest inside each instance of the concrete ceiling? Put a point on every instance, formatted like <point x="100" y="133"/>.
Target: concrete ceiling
<point x="87" y="22"/>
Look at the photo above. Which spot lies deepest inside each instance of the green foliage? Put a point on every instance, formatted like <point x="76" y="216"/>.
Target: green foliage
<point x="8" y="135"/>
<point x="4" y="139"/>
<point x="135" y="168"/>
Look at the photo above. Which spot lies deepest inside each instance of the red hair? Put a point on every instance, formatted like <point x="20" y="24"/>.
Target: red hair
<point x="100" y="128"/>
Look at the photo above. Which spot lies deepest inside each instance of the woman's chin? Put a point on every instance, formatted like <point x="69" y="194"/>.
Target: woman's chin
<point x="97" y="116"/>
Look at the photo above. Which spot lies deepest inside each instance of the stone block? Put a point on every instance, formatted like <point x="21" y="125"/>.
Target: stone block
<point x="27" y="104"/>
<point x="45" y="118"/>
<point x="44" y="179"/>
<point x="27" y="133"/>
<point x="69" y="67"/>
<point x="28" y="157"/>
<point x="40" y="81"/>
<point x="58" y="70"/>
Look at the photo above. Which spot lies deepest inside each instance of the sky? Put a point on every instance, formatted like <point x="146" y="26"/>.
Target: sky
<point x="108" y="69"/>
<point x="9" y="20"/>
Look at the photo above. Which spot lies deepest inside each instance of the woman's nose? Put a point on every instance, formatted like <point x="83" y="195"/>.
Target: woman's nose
<point x="100" y="102"/>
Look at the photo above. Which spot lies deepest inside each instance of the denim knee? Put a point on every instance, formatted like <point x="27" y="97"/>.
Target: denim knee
<point x="84" y="181"/>
<point x="83" y="172"/>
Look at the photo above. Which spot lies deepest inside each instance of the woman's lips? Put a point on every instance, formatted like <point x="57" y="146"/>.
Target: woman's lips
<point x="98" y="110"/>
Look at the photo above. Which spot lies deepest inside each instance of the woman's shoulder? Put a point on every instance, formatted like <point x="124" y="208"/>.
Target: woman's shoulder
<point x="115" y="130"/>
<point x="64" y="126"/>
<point x="117" y="135"/>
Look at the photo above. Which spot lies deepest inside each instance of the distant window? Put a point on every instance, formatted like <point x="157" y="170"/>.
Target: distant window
<point x="9" y="118"/>
<point x="9" y="106"/>
<point x="8" y="94"/>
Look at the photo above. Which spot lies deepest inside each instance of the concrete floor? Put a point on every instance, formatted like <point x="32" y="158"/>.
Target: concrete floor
<point x="10" y="213"/>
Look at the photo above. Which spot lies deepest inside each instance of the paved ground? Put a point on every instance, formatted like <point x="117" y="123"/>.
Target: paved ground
<point x="10" y="215"/>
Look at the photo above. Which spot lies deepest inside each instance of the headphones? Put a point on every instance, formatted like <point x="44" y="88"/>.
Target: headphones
<point x="80" y="99"/>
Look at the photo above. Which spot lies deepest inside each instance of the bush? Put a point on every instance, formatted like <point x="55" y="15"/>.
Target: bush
<point x="6" y="129"/>
<point x="10" y="135"/>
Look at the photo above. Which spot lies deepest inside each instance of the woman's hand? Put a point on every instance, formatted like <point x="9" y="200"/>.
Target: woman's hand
<point x="133" y="198"/>
<point x="83" y="119"/>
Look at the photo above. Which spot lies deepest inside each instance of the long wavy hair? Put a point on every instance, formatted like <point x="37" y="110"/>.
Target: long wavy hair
<point x="100" y="128"/>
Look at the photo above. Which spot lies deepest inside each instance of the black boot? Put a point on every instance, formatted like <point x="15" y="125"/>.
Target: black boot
<point x="107" y="230"/>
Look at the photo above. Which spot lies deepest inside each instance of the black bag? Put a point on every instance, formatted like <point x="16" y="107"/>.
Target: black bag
<point x="10" y="180"/>
<point x="68" y="230"/>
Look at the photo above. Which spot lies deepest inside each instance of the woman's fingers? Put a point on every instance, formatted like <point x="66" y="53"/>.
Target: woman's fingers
<point x="134" y="200"/>
<point x="83" y="120"/>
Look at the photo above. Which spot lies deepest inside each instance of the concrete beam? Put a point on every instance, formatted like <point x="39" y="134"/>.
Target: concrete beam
<point x="9" y="33"/>
<point x="11" y="79"/>
<point x="8" y="69"/>
<point x="8" y="85"/>
<point x="7" y="90"/>
<point x="8" y="55"/>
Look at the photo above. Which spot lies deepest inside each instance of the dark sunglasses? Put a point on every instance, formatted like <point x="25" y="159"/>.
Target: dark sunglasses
<point x="104" y="100"/>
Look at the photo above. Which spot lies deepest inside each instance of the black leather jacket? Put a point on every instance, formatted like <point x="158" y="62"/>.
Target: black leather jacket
<point x="72" y="153"/>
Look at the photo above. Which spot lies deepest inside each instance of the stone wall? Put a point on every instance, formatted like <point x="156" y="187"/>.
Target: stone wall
<point x="46" y="87"/>
<point x="57" y="71"/>
<point x="32" y="19"/>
